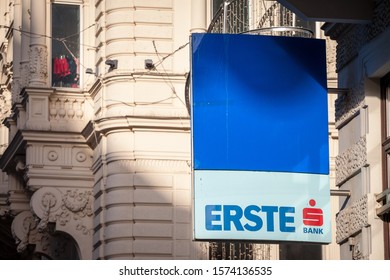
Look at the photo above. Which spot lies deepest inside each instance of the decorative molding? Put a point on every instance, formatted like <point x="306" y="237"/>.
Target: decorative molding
<point x="59" y="154"/>
<point x="147" y="165"/>
<point x="352" y="219"/>
<point x="52" y="155"/>
<point x="351" y="161"/>
<point x="81" y="157"/>
<point x="66" y="108"/>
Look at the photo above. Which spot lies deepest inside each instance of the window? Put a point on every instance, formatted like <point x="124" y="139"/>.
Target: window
<point x="65" y="45"/>
<point x="385" y="92"/>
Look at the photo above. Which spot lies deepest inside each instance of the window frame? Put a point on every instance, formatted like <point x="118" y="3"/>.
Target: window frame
<point x="385" y="127"/>
<point x="78" y="3"/>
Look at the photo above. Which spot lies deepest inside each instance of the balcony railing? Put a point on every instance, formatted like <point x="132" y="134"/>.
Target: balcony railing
<point x="262" y="17"/>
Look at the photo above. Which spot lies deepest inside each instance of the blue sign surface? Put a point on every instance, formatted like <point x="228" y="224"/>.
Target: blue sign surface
<point x="259" y="103"/>
<point x="260" y="138"/>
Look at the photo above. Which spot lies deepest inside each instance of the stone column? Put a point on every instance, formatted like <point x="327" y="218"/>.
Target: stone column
<point x="25" y="45"/>
<point x="16" y="51"/>
<point x="38" y="48"/>
<point x="198" y="16"/>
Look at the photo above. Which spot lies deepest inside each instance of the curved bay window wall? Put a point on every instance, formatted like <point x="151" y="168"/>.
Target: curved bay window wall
<point x="65" y="45"/>
<point x="262" y="17"/>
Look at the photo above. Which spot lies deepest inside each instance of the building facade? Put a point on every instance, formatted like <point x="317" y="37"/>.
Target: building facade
<point x="362" y="117"/>
<point x="95" y="135"/>
<point x="361" y="30"/>
<point x="97" y="164"/>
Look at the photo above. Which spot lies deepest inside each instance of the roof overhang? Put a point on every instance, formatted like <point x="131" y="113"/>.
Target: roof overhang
<point x="343" y="11"/>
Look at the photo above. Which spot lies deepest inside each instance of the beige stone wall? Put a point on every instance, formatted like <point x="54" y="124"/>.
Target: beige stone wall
<point x="361" y="62"/>
<point x="142" y="159"/>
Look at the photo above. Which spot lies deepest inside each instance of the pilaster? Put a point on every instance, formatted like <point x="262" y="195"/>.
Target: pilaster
<point x="25" y="45"/>
<point x="198" y="16"/>
<point x="38" y="48"/>
<point x="16" y="50"/>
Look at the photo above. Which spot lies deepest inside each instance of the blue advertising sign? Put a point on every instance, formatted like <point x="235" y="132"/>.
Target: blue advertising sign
<point x="260" y="138"/>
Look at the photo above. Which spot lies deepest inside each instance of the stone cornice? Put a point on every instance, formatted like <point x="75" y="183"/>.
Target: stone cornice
<point x="23" y="137"/>
<point x="146" y="75"/>
<point x="108" y="124"/>
<point x="14" y="148"/>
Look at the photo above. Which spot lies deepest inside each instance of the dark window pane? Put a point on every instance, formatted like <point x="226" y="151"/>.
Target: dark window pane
<point x="300" y="252"/>
<point x="216" y="5"/>
<point x="65" y="45"/>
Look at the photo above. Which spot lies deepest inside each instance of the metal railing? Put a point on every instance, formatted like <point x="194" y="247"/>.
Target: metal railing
<point x="231" y="17"/>
<point x="260" y="17"/>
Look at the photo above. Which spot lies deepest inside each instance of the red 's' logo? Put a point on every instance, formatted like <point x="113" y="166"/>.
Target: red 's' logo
<point x="313" y="216"/>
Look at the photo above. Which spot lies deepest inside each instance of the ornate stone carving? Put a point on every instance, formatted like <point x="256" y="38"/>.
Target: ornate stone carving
<point x="331" y="58"/>
<point x="5" y="104"/>
<point x="80" y="205"/>
<point x="24" y="230"/>
<point x="352" y="219"/>
<point x="24" y="74"/>
<point x="357" y="253"/>
<point x="52" y="205"/>
<point x="20" y="164"/>
<point x="351" y="38"/>
<point x="16" y="91"/>
<point x="348" y="104"/>
<point x="351" y="161"/>
<point x="48" y="201"/>
<point x="38" y="65"/>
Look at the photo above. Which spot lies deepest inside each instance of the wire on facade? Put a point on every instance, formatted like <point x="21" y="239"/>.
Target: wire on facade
<point x="169" y="83"/>
<point x="78" y="33"/>
<point x="141" y="103"/>
<point x="172" y="53"/>
<point x="36" y="35"/>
